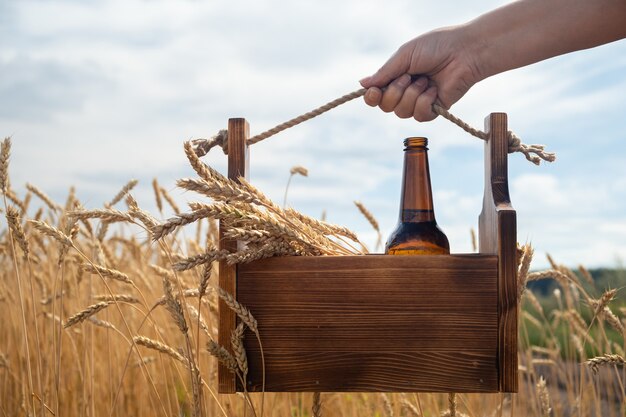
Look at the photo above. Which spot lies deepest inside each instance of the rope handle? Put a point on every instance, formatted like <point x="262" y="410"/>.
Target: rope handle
<point x="533" y="153"/>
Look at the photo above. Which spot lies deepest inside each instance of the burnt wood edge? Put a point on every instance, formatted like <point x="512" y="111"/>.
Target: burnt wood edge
<point x="507" y="300"/>
<point x="238" y="133"/>
<point x="498" y="234"/>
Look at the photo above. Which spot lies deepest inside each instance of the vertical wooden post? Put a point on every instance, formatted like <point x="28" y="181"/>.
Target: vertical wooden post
<point x="498" y="235"/>
<point x="238" y="133"/>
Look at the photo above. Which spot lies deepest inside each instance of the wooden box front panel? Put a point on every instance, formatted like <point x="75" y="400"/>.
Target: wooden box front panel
<point x="373" y="323"/>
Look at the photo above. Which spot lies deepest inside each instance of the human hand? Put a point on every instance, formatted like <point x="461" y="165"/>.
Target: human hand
<point x="443" y="68"/>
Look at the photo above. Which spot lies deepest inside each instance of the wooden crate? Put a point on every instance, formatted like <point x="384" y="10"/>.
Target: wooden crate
<point x="380" y="323"/>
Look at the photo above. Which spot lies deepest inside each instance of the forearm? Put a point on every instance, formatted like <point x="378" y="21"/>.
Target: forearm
<point x="529" y="31"/>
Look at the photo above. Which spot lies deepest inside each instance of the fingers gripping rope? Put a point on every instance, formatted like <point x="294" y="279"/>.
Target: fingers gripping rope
<point x="533" y="153"/>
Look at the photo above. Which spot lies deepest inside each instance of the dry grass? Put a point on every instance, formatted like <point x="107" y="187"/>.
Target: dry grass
<point x="87" y="308"/>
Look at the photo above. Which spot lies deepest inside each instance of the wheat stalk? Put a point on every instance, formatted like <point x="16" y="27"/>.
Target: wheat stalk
<point x="586" y="274"/>
<point x="452" y="404"/>
<point x="534" y="301"/>
<point x="102" y="323"/>
<point x="106" y="272"/>
<point x="578" y="344"/>
<point x="86" y="313"/>
<point x="293" y="171"/>
<point x="409" y="408"/>
<point x="157" y="195"/>
<point x="523" y="268"/>
<point x="268" y="249"/>
<point x="143" y="216"/>
<point x="388" y="406"/>
<point x="43" y="197"/>
<point x="322" y="226"/>
<point x="71" y="229"/>
<point x="607" y="359"/>
<point x="368" y="215"/>
<point x="125" y="190"/>
<point x="201" y="259"/>
<point x="544" y="397"/>
<point x="543" y="361"/>
<point x="187" y="293"/>
<point x="204" y="171"/>
<point x="204" y="280"/>
<point x="242" y="312"/>
<point x="51" y="231"/>
<point x="160" y="271"/>
<point x="13" y="220"/>
<point x="236" y="340"/>
<point x="195" y="315"/>
<point x="160" y="347"/>
<point x="174" y="307"/>
<point x="603" y="301"/>
<point x="5" y="153"/>
<point x="10" y="194"/>
<point x="108" y="215"/>
<point x="169" y="200"/>
<point x="171" y="224"/>
<point x="247" y="235"/>
<point x="222" y="355"/>
<point x="217" y="190"/>
<point x="316" y="409"/>
<point x="125" y="298"/>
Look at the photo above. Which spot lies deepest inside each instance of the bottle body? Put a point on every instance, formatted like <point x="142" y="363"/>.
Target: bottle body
<point x="417" y="232"/>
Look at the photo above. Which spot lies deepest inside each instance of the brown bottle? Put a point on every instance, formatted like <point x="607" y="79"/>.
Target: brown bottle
<point x="417" y="232"/>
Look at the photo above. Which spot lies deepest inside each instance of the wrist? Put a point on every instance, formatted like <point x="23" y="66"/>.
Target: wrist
<point x="475" y="49"/>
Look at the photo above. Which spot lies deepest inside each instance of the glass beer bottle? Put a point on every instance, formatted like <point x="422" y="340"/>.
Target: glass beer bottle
<point x="417" y="232"/>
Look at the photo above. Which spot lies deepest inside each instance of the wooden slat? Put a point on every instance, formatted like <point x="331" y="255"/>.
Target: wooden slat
<point x="238" y="133"/>
<point x="373" y="323"/>
<point x="498" y="235"/>
<point x="376" y="371"/>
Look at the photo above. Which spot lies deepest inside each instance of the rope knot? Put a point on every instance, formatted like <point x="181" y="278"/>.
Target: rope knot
<point x="515" y="143"/>
<point x="202" y="146"/>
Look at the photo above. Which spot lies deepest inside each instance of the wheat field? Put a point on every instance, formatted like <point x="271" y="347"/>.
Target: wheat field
<point x="112" y="311"/>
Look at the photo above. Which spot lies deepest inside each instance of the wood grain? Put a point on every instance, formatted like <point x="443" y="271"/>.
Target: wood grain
<point x="238" y="133"/>
<point x="373" y="323"/>
<point x="498" y="235"/>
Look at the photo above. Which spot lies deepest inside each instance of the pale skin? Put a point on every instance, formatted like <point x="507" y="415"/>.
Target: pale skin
<point x="447" y="62"/>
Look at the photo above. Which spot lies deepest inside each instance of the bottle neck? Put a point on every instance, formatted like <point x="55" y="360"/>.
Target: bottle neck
<point x="416" y="203"/>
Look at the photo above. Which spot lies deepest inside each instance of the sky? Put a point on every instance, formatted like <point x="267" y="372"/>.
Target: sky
<point x="94" y="94"/>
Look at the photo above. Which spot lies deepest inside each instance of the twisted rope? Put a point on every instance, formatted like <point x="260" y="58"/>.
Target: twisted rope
<point x="533" y="153"/>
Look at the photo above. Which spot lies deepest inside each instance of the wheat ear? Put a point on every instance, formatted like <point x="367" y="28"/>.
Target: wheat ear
<point x="607" y="359"/>
<point x="239" y="350"/>
<point x="242" y="312"/>
<point x="13" y="219"/>
<point x="51" y="231"/>
<point x="158" y="346"/>
<point x="106" y="272"/>
<point x="5" y="153"/>
<point x="86" y="313"/>
<point x="544" y="397"/>
<point x="316" y="409"/>
<point x="125" y="190"/>
<point x="222" y="355"/>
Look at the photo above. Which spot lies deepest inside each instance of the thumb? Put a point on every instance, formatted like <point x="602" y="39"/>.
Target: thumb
<point x="396" y="66"/>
